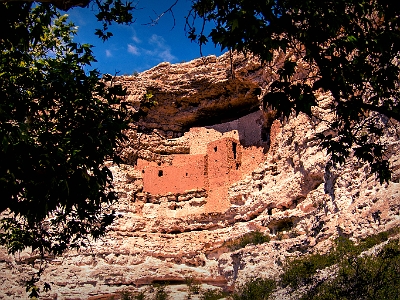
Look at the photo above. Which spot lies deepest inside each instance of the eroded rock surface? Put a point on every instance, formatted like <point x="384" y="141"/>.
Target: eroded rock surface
<point x="203" y="176"/>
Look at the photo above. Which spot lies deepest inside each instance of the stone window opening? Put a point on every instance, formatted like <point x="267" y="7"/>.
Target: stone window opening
<point x="160" y="173"/>
<point x="234" y="149"/>
<point x="215" y="149"/>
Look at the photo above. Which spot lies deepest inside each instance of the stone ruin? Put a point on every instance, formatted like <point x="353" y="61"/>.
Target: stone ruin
<point x="218" y="156"/>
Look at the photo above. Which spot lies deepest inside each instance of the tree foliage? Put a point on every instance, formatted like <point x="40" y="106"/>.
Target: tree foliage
<point x="355" y="270"/>
<point x="58" y="124"/>
<point x="355" y="45"/>
<point x="363" y="276"/>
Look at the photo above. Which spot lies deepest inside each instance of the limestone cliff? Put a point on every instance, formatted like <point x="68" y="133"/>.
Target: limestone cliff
<point x="210" y="167"/>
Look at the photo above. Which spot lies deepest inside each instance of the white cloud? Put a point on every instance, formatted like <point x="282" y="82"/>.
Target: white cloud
<point x="133" y="49"/>
<point x="162" y="50"/>
<point x="108" y="53"/>
<point x="157" y="40"/>
<point x="156" y="49"/>
<point x="136" y="39"/>
<point x="166" y="55"/>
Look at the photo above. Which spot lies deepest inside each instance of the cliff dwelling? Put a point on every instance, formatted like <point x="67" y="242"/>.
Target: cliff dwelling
<point x="219" y="156"/>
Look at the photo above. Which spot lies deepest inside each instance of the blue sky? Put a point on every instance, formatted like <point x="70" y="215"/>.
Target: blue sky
<point x="139" y="47"/>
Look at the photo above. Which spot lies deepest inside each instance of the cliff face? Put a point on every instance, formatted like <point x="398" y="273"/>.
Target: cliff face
<point x="210" y="168"/>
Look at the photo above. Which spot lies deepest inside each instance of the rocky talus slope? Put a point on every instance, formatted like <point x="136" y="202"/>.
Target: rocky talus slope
<point x="244" y="171"/>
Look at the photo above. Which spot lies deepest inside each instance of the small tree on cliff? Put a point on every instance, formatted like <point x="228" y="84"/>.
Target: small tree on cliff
<point x="355" y="45"/>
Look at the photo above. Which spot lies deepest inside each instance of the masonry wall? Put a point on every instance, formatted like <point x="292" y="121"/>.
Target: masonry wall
<point x="246" y="129"/>
<point x="200" y="137"/>
<point x="224" y="161"/>
<point x="187" y="172"/>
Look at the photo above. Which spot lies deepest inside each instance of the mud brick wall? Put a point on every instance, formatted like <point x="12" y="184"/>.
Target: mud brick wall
<point x="187" y="172"/>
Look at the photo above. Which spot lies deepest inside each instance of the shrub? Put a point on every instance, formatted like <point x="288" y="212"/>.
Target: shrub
<point x="373" y="240"/>
<point x="279" y="236"/>
<point x="161" y="294"/>
<point x="193" y="286"/>
<point x="126" y="295"/>
<point x="255" y="289"/>
<point x="301" y="270"/>
<point x="356" y="277"/>
<point x="212" y="294"/>
<point x="364" y="277"/>
<point x="293" y="233"/>
<point x="140" y="296"/>
<point x="253" y="237"/>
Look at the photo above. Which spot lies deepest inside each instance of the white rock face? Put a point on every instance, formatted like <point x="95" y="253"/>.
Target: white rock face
<point x="292" y="194"/>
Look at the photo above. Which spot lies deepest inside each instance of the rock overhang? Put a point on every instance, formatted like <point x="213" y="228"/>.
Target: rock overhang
<point x="217" y="103"/>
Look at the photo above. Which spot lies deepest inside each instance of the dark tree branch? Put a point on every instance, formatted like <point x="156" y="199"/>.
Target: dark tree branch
<point x="159" y="16"/>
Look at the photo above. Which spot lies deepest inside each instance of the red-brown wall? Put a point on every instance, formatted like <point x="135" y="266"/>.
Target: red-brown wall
<point x="224" y="160"/>
<point x="187" y="172"/>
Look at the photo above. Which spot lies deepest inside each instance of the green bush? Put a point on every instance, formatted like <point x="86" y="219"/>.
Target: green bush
<point x="356" y="277"/>
<point x="301" y="270"/>
<point x="363" y="277"/>
<point x="253" y="237"/>
<point x="293" y="233"/>
<point x="279" y="236"/>
<point x="212" y="294"/>
<point x="140" y="296"/>
<point x="160" y="293"/>
<point x="193" y="287"/>
<point x="254" y="289"/>
<point x="375" y="239"/>
<point x="127" y="295"/>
